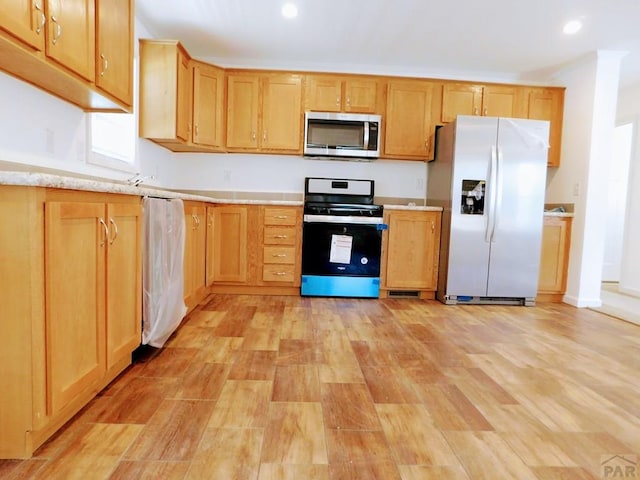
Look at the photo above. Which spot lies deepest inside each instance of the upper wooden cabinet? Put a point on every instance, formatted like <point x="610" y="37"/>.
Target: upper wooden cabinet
<point x="165" y="92"/>
<point x="547" y="104"/>
<point x="115" y="48"/>
<point x="68" y="46"/>
<point x="264" y="112"/>
<point x="486" y="100"/>
<point x="331" y="93"/>
<point x="24" y="19"/>
<point x="409" y="123"/>
<point x="181" y="99"/>
<point x="208" y="105"/>
<point x="70" y="38"/>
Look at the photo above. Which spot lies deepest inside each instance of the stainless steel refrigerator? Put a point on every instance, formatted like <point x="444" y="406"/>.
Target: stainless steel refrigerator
<point x="489" y="176"/>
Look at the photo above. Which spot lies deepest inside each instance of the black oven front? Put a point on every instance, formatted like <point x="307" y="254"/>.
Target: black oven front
<point x="341" y="255"/>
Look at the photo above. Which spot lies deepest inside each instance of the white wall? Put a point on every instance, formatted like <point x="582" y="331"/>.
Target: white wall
<point x="629" y="111"/>
<point x="590" y="104"/>
<point x="286" y="173"/>
<point x="39" y="132"/>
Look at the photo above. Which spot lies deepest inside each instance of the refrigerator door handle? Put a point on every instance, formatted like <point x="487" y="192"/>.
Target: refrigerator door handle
<point x="492" y="186"/>
<point x="498" y="198"/>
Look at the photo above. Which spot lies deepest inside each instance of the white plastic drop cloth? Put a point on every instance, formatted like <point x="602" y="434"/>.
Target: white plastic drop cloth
<point x="163" y="305"/>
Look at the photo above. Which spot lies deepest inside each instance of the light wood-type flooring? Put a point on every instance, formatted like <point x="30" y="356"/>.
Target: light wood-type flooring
<point x="288" y="388"/>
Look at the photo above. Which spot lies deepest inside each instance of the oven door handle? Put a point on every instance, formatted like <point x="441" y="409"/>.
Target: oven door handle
<point x="342" y="219"/>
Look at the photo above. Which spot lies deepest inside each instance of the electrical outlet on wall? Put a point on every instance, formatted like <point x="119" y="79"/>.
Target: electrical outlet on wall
<point x="576" y="189"/>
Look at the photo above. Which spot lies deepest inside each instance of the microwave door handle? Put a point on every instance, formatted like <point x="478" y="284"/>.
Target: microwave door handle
<point x="365" y="141"/>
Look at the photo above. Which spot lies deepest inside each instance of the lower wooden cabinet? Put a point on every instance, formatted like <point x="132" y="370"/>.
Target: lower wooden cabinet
<point x="254" y="249"/>
<point x="554" y="258"/>
<point x="71" y="315"/>
<point x="410" y="253"/>
<point x="195" y="219"/>
<point x="281" y="245"/>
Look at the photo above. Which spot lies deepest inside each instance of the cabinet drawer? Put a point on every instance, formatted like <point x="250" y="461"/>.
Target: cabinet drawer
<point x="279" y="216"/>
<point x="278" y="273"/>
<point x="280" y="255"/>
<point x="280" y="236"/>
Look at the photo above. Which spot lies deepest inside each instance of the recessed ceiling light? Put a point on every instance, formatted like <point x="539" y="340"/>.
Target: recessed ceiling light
<point x="571" y="27"/>
<point x="289" y="10"/>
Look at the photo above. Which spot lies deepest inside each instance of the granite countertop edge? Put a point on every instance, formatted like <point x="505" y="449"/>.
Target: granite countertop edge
<point x="46" y="180"/>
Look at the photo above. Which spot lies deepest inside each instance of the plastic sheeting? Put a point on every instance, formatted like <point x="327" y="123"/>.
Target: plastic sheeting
<point x="163" y="305"/>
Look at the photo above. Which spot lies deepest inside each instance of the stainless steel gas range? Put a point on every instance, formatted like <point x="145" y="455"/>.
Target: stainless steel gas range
<point x="341" y="238"/>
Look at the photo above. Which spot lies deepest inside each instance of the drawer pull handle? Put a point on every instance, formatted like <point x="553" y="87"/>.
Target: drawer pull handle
<point x="281" y="236"/>
<point x="281" y="217"/>
<point x="279" y="255"/>
<point x="280" y="274"/>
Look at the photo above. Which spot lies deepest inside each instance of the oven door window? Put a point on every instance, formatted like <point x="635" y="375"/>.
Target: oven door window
<point x="341" y="249"/>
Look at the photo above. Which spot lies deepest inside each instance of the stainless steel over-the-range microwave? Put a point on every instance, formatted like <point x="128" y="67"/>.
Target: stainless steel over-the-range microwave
<point x="342" y="135"/>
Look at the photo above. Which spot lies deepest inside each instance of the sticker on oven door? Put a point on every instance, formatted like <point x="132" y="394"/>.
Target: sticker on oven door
<point x="341" y="249"/>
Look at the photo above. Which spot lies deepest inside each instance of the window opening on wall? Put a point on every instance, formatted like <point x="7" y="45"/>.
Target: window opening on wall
<point x="112" y="140"/>
<point x="112" y="137"/>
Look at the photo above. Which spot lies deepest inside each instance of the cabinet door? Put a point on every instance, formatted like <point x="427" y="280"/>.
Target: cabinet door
<point x="208" y="99"/>
<point x="360" y="96"/>
<point x="282" y="113"/>
<point x="114" y="39"/>
<point x="124" y="281"/>
<point x="554" y="258"/>
<point x="412" y="250"/>
<point x="210" y="248"/>
<point x="547" y="104"/>
<point x="230" y="232"/>
<point x="76" y="243"/>
<point x="242" y="111"/>
<point x="185" y="96"/>
<point x="324" y="93"/>
<point x="24" y="19"/>
<point x="409" y="127"/>
<point x="460" y="99"/>
<point x="194" y="250"/>
<point x="502" y="101"/>
<point x="71" y="35"/>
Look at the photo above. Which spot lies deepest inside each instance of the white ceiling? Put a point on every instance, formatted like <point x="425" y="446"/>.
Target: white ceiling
<point x="499" y="40"/>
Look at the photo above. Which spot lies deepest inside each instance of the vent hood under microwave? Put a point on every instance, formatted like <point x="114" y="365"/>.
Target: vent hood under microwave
<point x="342" y="135"/>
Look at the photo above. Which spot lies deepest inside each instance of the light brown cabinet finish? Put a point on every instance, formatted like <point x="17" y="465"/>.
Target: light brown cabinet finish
<point x="411" y="250"/>
<point x="554" y="258"/>
<point x="281" y="245"/>
<point x="331" y="93"/>
<point x="56" y="46"/>
<point x="181" y="99"/>
<point x="208" y="105"/>
<point x="264" y="112"/>
<point x="22" y="364"/>
<point x="229" y="244"/>
<point x="70" y="35"/>
<point x="72" y="308"/>
<point x="485" y="100"/>
<point x="24" y="19"/>
<point x="547" y="104"/>
<point x="114" y="48"/>
<point x="124" y="280"/>
<point x="408" y="124"/>
<point x="76" y="336"/>
<point x="194" y="252"/>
